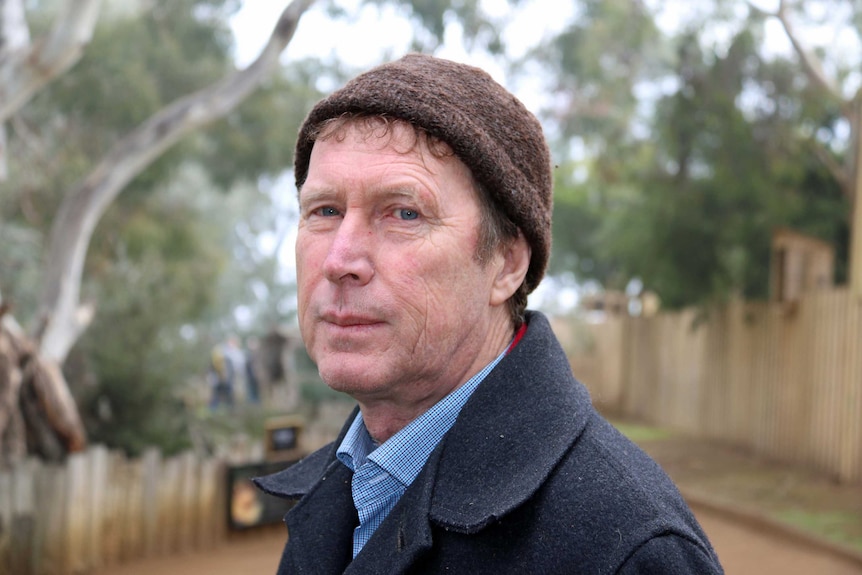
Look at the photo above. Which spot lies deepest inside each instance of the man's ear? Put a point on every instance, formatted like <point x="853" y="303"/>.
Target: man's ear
<point x="515" y="263"/>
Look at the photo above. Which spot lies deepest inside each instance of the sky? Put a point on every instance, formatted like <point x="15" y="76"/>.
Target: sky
<point x="318" y="35"/>
<point x="361" y="41"/>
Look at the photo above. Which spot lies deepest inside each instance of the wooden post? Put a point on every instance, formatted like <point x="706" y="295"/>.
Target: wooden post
<point x="6" y="513"/>
<point x="24" y="515"/>
<point x="187" y="490"/>
<point x="77" y="514"/>
<point x="52" y="531"/>
<point x="151" y="466"/>
<point x="856" y="246"/>
<point x="97" y="463"/>
<point x="133" y="516"/>
<point x="855" y="270"/>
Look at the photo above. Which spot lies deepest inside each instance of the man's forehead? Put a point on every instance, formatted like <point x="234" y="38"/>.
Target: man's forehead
<point x="406" y="163"/>
<point x="401" y="134"/>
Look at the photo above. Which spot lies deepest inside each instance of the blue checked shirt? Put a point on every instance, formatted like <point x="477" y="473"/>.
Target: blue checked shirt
<point x="382" y="473"/>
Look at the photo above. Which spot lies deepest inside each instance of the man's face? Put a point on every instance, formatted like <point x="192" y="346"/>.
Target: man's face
<point x="393" y="305"/>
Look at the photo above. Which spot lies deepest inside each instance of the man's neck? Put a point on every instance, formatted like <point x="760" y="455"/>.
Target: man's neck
<point x="385" y="420"/>
<point x="384" y="417"/>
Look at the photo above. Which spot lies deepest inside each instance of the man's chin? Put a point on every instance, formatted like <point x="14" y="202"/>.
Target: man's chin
<point x="353" y="382"/>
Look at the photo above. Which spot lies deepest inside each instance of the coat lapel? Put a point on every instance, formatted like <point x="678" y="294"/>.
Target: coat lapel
<point x="510" y="435"/>
<point x="320" y="527"/>
<point x="405" y="536"/>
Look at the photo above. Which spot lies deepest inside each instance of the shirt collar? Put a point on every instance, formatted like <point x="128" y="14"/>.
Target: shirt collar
<point x="356" y="445"/>
<point x="404" y="454"/>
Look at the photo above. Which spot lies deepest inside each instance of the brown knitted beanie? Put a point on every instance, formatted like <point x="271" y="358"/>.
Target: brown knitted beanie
<point x="485" y="125"/>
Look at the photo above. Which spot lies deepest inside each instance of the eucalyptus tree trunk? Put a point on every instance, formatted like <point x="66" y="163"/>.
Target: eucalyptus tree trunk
<point x="62" y="317"/>
<point x="35" y="402"/>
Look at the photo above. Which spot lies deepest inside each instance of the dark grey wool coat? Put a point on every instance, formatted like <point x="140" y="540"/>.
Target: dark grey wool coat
<point x="530" y="479"/>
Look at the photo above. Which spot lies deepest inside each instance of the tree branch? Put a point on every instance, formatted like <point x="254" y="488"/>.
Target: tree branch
<point x="810" y="63"/>
<point x="24" y="67"/>
<point x="4" y="156"/>
<point x="838" y="171"/>
<point x="84" y="205"/>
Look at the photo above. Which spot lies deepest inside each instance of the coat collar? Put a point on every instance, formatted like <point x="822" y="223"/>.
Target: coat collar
<point x="509" y="436"/>
<point x="320" y="526"/>
<point x="298" y="479"/>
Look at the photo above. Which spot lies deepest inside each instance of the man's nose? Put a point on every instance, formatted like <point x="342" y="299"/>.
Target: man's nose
<point x="349" y="256"/>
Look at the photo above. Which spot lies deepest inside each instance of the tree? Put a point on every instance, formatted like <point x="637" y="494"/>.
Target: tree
<point x="723" y="178"/>
<point x="843" y="158"/>
<point x="684" y="195"/>
<point x="34" y="367"/>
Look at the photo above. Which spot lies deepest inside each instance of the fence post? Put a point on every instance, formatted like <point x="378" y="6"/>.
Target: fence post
<point x="6" y="498"/>
<point x="77" y="505"/>
<point x="186" y="491"/>
<point x="133" y="515"/>
<point x="96" y="505"/>
<point x="23" y="517"/>
<point x="150" y="474"/>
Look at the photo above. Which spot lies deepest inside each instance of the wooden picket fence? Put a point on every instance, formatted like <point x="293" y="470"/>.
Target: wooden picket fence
<point x="784" y="380"/>
<point x="102" y="509"/>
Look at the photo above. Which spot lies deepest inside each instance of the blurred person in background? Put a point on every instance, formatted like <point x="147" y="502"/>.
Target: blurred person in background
<point x="226" y="365"/>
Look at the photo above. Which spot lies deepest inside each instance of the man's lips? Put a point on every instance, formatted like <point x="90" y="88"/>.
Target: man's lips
<point x="349" y="320"/>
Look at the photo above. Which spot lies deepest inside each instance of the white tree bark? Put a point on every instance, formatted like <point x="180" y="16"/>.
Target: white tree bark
<point x="26" y="67"/>
<point x="62" y="318"/>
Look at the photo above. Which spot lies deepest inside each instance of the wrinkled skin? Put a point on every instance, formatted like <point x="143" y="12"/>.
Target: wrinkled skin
<point x="394" y="307"/>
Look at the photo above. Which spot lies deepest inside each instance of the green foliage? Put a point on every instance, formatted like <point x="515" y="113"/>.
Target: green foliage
<point x="840" y="526"/>
<point x="581" y="208"/>
<point x="691" y="211"/>
<point x="258" y="137"/>
<point x="133" y="67"/>
<point x="593" y="66"/>
<point x="162" y="274"/>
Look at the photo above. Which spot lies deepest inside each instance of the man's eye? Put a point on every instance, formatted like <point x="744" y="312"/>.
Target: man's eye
<point x="407" y="214"/>
<point x="327" y="211"/>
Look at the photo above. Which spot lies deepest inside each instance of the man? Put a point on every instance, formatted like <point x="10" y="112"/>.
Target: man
<point x="425" y="209"/>
<point x="222" y="372"/>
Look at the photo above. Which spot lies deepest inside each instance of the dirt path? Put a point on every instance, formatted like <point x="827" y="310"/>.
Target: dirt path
<point x="743" y="551"/>
<point x="252" y="556"/>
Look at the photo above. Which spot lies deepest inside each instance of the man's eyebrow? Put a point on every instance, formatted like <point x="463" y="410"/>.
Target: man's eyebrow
<point x="316" y="195"/>
<point x="399" y="192"/>
<point x="404" y="193"/>
<point x="411" y="193"/>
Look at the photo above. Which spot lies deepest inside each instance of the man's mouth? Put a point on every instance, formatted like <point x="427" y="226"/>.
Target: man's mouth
<point x="349" y="320"/>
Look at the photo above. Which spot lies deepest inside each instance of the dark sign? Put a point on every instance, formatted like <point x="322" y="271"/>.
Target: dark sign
<point x="283" y="438"/>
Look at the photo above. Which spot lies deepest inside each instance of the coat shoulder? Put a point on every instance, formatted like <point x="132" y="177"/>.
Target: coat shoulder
<point x="298" y="479"/>
<point x="607" y="507"/>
